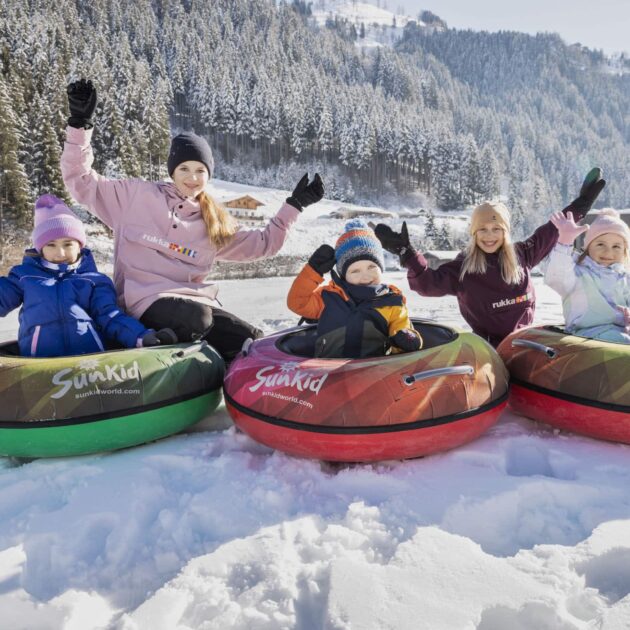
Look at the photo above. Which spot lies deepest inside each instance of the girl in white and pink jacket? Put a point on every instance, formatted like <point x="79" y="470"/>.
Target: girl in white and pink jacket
<point x="595" y="284"/>
<point x="168" y="235"/>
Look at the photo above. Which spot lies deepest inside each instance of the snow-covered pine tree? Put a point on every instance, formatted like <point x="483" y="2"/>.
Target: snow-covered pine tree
<point x="157" y="130"/>
<point x="449" y="160"/>
<point x="444" y="241"/>
<point x="46" y="152"/>
<point x="489" y="186"/>
<point x="15" y="195"/>
<point x="431" y="234"/>
<point x="471" y="172"/>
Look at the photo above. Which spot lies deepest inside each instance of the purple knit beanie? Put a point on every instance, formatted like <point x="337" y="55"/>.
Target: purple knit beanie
<point x="53" y="220"/>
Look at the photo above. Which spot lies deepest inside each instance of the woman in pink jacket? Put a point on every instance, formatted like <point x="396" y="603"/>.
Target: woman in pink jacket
<point x="168" y="235"/>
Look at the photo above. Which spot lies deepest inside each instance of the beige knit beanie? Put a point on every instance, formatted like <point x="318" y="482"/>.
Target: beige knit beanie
<point x="490" y="212"/>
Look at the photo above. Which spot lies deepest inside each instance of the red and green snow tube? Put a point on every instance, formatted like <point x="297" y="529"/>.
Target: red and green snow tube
<point x="53" y="407"/>
<point x="570" y="382"/>
<point x="366" y="410"/>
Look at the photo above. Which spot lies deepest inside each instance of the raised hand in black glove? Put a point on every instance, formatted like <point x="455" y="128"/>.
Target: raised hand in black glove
<point x="395" y="242"/>
<point x="305" y="194"/>
<point x="82" y="102"/>
<point x="322" y="259"/>
<point x="406" y="340"/>
<point x="592" y="185"/>
<point x="162" y="337"/>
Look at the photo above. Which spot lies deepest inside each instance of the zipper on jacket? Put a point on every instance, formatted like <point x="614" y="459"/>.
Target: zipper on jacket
<point x="35" y="340"/>
<point x="99" y="343"/>
<point x="62" y="315"/>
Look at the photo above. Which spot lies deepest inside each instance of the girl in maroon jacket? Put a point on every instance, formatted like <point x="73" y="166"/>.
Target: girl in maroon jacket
<point x="491" y="278"/>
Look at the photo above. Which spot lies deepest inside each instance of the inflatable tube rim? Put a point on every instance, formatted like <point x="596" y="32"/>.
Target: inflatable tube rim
<point x="36" y="424"/>
<point x="358" y="430"/>
<point x="279" y="338"/>
<point x="587" y="402"/>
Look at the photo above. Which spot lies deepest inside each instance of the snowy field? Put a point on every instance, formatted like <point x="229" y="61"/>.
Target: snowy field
<point x="524" y="529"/>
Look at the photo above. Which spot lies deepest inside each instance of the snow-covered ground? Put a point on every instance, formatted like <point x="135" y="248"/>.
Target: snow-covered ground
<point x="523" y="529"/>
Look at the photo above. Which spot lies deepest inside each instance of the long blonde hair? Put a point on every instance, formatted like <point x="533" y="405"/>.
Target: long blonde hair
<point x="220" y="225"/>
<point x="475" y="261"/>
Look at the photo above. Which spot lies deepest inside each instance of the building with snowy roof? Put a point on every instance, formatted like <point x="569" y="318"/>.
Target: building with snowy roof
<point x="245" y="210"/>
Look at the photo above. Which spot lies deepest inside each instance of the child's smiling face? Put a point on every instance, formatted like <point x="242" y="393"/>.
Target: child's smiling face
<point x="62" y="251"/>
<point x="363" y="273"/>
<point x="489" y="237"/>
<point x="190" y="178"/>
<point x="607" y="249"/>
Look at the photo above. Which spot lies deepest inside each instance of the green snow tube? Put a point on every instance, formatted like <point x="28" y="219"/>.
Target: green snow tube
<point x="102" y="402"/>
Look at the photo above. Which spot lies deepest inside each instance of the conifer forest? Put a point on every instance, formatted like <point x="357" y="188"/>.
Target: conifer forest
<point x="459" y="116"/>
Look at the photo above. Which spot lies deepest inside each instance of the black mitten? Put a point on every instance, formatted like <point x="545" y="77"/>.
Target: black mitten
<point x="82" y="102"/>
<point x="166" y="336"/>
<point x="592" y="185"/>
<point x="150" y="339"/>
<point x="322" y="259"/>
<point x="395" y="242"/>
<point x="406" y="340"/>
<point x="305" y="194"/>
<point x="162" y="337"/>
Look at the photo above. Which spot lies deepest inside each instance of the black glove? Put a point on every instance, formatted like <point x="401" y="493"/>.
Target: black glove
<point x="82" y="103"/>
<point x="406" y="340"/>
<point x="163" y="337"/>
<point x="305" y="194"/>
<point x="167" y="336"/>
<point x="322" y="259"/>
<point x="395" y="242"/>
<point x="592" y="185"/>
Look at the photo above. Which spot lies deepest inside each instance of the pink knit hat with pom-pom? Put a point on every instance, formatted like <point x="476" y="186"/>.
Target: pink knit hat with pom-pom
<point x="53" y="220"/>
<point x="607" y="222"/>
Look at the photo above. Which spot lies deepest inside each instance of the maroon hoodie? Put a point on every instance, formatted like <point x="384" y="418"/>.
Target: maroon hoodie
<point x="492" y="308"/>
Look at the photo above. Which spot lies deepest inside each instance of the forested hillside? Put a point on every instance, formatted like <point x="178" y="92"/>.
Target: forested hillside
<point x="456" y="115"/>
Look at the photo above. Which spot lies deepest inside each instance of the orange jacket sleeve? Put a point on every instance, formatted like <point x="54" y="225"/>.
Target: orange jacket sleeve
<point x="305" y="294"/>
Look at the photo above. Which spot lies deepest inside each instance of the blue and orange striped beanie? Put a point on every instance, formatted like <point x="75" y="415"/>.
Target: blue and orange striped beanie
<point x="358" y="242"/>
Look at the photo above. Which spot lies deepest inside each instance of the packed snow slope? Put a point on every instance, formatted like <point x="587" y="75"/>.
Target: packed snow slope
<point x="525" y="528"/>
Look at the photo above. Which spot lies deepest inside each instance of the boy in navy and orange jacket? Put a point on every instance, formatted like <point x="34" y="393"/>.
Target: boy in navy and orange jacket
<point x="358" y="316"/>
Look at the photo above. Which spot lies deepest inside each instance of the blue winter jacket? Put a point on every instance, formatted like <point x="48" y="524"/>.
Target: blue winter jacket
<point x="66" y="309"/>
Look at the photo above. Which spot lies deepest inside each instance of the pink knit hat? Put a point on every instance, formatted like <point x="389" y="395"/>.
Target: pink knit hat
<point x="53" y="220"/>
<point x="608" y="222"/>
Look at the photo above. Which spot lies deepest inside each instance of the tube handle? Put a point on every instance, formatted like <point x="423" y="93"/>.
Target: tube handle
<point x="445" y="371"/>
<point x="551" y="353"/>
<point x="197" y="346"/>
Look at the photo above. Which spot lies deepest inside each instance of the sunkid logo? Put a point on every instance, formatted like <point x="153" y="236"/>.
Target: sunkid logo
<point x="117" y="373"/>
<point x="288" y="375"/>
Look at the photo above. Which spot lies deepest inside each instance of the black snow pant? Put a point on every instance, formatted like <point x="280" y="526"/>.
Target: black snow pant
<point x="193" y="320"/>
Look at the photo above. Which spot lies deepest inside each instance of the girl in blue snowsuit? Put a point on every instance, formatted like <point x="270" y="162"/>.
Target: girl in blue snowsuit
<point x="68" y="307"/>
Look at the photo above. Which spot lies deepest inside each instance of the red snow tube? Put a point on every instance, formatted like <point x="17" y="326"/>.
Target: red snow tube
<point x="363" y="410"/>
<point x="570" y="382"/>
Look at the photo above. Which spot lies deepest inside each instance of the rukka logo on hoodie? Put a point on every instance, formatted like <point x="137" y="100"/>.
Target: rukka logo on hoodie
<point x="509" y="301"/>
<point x="174" y="247"/>
<point x="288" y="375"/>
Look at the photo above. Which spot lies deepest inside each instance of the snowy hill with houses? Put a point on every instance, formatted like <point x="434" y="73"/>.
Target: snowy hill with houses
<point x="374" y="25"/>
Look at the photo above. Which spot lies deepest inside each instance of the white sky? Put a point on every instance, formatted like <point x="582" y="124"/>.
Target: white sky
<point x="603" y="24"/>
